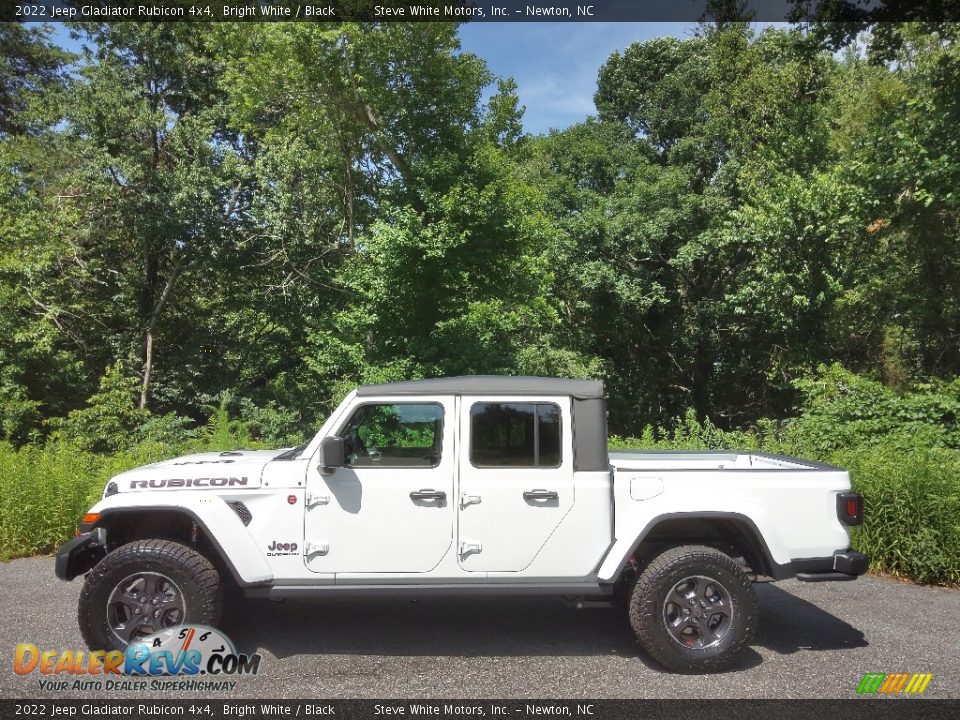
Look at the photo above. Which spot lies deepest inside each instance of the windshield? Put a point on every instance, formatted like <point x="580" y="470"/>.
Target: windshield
<point x="293" y="452"/>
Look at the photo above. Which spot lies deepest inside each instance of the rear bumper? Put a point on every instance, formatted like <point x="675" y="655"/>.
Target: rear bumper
<point x="842" y="565"/>
<point x="77" y="556"/>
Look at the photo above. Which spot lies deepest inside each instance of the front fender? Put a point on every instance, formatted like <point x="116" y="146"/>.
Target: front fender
<point x="219" y="523"/>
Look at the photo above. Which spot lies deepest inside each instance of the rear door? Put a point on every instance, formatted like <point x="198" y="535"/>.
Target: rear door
<point x="516" y="479"/>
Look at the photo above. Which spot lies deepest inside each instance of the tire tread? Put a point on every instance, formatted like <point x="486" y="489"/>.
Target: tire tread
<point x="645" y="609"/>
<point x="137" y="553"/>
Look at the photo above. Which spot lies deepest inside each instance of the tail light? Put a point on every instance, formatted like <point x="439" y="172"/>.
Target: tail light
<point x="850" y="508"/>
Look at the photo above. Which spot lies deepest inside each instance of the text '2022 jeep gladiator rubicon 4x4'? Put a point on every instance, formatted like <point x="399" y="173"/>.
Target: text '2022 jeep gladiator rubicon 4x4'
<point x="485" y="484"/>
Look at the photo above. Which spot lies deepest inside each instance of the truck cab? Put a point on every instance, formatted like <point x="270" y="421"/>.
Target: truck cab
<point x="468" y="479"/>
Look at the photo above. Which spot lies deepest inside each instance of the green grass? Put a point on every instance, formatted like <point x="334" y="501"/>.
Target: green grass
<point x="45" y="490"/>
<point x="911" y="510"/>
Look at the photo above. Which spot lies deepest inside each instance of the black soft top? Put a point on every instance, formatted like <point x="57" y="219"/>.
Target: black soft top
<point x="489" y="385"/>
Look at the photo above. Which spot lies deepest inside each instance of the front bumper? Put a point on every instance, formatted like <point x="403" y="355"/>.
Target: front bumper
<point x="79" y="555"/>
<point x="843" y="565"/>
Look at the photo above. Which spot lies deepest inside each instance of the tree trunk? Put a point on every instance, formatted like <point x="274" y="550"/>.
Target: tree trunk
<point x="147" y="368"/>
<point x="702" y="379"/>
<point x="151" y="326"/>
<point x="165" y="295"/>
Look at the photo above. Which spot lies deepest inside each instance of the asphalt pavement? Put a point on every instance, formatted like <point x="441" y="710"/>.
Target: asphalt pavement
<point x="815" y="640"/>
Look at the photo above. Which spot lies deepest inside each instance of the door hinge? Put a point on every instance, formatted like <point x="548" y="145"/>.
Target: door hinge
<point x="315" y="548"/>
<point x="469" y="500"/>
<point x="469" y="547"/>
<point x="313" y="499"/>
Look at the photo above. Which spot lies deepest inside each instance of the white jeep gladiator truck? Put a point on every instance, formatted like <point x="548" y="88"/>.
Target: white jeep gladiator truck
<point x="481" y="484"/>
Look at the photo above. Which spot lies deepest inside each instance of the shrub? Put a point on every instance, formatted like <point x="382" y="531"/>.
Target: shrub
<point x="899" y="450"/>
<point x="845" y="410"/>
<point x="692" y="434"/>
<point x="45" y="490"/>
<point x="912" y="510"/>
<point x="111" y="419"/>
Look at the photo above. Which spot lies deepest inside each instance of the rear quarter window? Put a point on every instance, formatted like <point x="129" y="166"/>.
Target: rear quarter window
<point x="515" y="435"/>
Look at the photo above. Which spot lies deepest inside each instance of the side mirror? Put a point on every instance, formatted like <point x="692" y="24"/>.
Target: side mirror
<point x="332" y="454"/>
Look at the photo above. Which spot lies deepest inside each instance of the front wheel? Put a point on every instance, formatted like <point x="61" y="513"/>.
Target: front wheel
<point x="693" y="609"/>
<point x="144" y="587"/>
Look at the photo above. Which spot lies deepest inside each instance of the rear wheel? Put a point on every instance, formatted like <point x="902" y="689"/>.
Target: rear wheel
<point x="144" y="587"/>
<point x="693" y="609"/>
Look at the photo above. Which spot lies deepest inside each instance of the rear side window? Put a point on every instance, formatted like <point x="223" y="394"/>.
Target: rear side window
<point x="515" y="435"/>
<point x="400" y="435"/>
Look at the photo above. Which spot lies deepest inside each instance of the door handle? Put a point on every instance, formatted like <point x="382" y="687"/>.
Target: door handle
<point x="466" y="500"/>
<point x="540" y="495"/>
<point x="428" y="495"/>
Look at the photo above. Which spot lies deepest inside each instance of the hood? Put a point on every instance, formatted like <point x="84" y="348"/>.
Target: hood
<point x="234" y="469"/>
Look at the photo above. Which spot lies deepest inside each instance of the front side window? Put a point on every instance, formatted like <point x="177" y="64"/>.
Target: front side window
<point x="515" y="435"/>
<point x="394" y="435"/>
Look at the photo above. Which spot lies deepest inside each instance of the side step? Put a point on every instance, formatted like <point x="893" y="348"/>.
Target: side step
<point x="601" y="602"/>
<point x="825" y="577"/>
<point x="579" y="590"/>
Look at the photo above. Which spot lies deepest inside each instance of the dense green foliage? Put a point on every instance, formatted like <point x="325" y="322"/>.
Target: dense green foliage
<point x="178" y="216"/>
<point x="45" y="490"/>
<point x="200" y="223"/>
<point x="902" y="453"/>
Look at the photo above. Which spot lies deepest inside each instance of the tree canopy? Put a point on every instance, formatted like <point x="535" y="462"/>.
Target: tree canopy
<point x="272" y="213"/>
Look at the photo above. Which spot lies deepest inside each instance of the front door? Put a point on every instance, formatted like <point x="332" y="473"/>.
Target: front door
<point x="516" y="479"/>
<point x="390" y="510"/>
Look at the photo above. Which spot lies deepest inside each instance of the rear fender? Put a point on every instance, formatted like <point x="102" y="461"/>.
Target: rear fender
<point x="625" y="546"/>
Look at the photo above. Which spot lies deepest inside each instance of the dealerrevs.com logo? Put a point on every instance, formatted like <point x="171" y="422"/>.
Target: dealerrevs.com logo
<point x="170" y="660"/>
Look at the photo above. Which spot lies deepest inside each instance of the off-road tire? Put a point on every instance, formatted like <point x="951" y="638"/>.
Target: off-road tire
<point x="649" y="600"/>
<point x="195" y="577"/>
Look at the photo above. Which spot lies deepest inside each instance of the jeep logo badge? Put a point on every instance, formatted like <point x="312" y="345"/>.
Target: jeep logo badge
<point x="281" y="548"/>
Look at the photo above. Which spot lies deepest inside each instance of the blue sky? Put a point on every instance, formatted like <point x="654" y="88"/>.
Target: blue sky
<point x="556" y="64"/>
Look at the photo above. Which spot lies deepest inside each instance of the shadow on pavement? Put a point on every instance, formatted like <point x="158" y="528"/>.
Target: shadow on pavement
<point x="499" y="627"/>
<point x="454" y="626"/>
<point x="789" y="624"/>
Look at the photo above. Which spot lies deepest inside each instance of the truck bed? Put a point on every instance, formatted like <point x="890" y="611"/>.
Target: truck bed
<point x="668" y="460"/>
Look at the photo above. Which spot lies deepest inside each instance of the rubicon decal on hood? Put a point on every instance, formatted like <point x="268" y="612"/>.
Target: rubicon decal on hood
<point x="188" y="482"/>
<point x="208" y="472"/>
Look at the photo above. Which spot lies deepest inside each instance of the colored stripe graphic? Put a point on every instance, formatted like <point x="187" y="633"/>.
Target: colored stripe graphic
<point x="893" y="683"/>
<point x="871" y="683"/>
<point x="910" y="683"/>
<point x="924" y="681"/>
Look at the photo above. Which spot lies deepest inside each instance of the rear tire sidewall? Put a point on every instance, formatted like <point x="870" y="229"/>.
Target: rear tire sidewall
<point x="202" y="597"/>
<point x="647" y="609"/>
